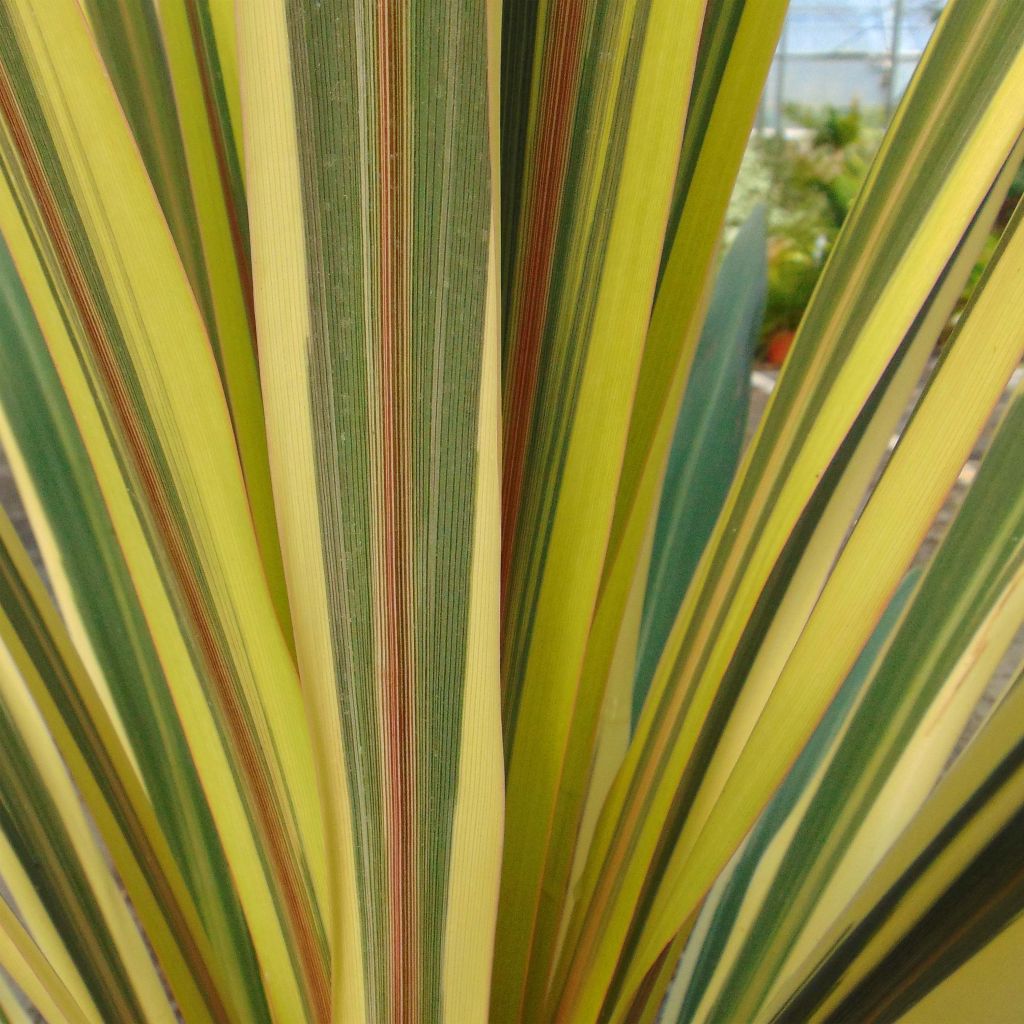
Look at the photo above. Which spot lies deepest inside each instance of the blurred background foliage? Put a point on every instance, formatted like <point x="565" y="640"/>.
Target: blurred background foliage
<point x="838" y="71"/>
<point x="807" y="179"/>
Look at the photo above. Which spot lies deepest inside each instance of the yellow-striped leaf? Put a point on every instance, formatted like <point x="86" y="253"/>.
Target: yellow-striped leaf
<point x="93" y="590"/>
<point x="922" y="195"/>
<point x="126" y="337"/>
<point x="370" y="183"/>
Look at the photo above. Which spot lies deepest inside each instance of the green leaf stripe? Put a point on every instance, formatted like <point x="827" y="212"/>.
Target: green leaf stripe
<point x="719" y="633"/>
<point x="57" y="683"/>
<point x="724" y="903"/>
<point x="392" y="205"/>
<point x="707" y="441"/>
<point x="217" y="625"/>
<point x="974" y="845"/>
<point x="37" y="424"/>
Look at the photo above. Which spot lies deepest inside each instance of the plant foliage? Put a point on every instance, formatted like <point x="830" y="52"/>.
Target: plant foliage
<point x="413" y="637"/>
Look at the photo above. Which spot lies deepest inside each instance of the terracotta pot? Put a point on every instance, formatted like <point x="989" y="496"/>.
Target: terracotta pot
<point x="777" y="348"/>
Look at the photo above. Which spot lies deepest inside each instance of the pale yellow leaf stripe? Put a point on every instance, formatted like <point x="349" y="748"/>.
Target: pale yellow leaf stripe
<point x="13" y="1008"/>
<point x="132" y="951"/>
<point x="991" y="978"/>
<point x="924" y="467"/>
<point x="581" y="519"/>
<point x="275" y="197"/>
<point x="831" y="530"/>
<point x="739" y="561"/>
<point x="992" y="755"/>
<point x="376" y="296"/>
<point x="124" y="816"/>
<point x="479" y="818"/>
<point x="22" y="959"/>
<point x="225" y="246"/>
<point x="25" y="902"/>
<point x="677" y="315"/>
<point x="152" y="313"/>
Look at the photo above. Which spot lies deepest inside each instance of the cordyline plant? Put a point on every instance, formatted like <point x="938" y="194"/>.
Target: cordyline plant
<point x="416" y="644"/>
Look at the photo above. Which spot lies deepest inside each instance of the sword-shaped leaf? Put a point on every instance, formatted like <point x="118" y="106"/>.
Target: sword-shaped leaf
<point x="370" y="175"/>
<point x="128" y="342"/>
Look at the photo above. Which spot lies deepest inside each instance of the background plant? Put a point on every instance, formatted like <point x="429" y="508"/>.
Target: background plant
<point x="418" y="642"/>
